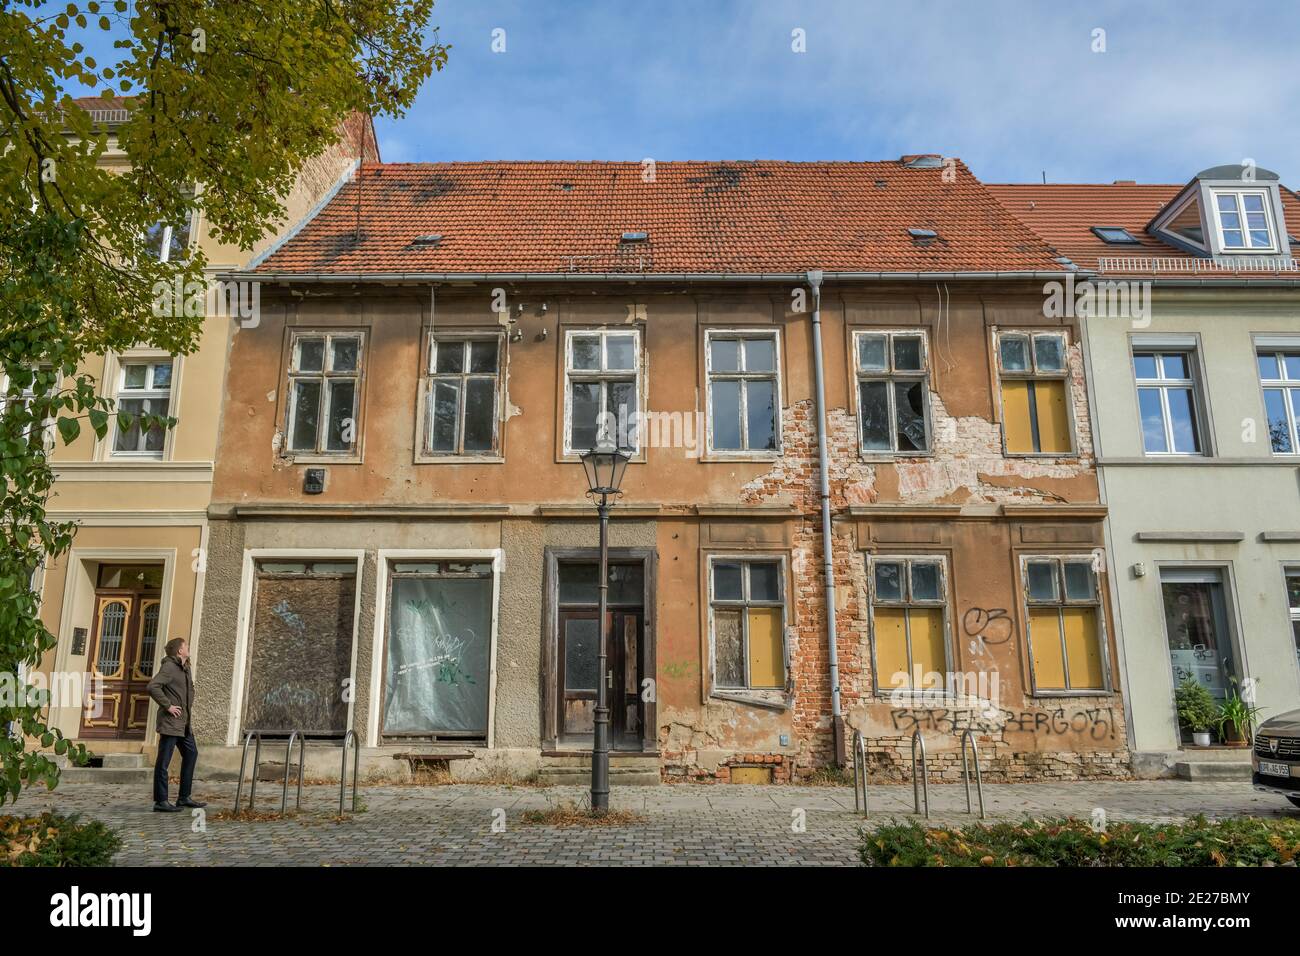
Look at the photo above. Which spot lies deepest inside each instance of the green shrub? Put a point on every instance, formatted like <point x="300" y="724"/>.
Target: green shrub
<point x="1071" y="842"/>
<point x="1196" y="707"/>
<point x="55" y="840"/>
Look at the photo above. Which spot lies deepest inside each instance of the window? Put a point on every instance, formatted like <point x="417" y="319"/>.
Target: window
<point x="324" y="383"/>
<point x="892" y="402"/>
<point x="1114" y="235"/>
<point x="438" y="652"/>
<point x="1293" y="601"/>
<point x="144" y="387"/>
<point x="1243" y="220"/>
<point x="909" y="603"/>
<point x="1063" y="609"/>
<point x="748" y="612"/>
<point x="22" y="397"/>
<point x="1167" y="403"/>
<point x="1035" y="393"/>
<point x="602" y="378"/>
<point x="743" y="385"/>
<point x="1279" y="373"/>
<point x="169" y="243"/>
<point x="461" y="412"/>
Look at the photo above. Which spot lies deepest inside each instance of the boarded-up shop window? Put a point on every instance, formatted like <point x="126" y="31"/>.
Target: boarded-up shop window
<point x="909" y="603"/>
<point x="301" y="658"/>
<point x="1064" y="611"/>
<point x="1035" y="393"/>
<point x="438" y="650"/>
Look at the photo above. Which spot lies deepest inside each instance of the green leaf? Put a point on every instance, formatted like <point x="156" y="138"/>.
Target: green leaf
<point x="69" y="429"/>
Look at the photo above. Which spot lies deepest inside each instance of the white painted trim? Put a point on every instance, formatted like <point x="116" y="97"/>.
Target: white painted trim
<point x="380" y="631"/>
<point x="126" y="519"/>
<point x="138" y="470"/>
<point x="247" y="577"/>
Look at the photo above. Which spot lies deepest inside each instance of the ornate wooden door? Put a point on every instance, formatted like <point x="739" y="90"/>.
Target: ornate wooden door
<point x="123" y="646"/>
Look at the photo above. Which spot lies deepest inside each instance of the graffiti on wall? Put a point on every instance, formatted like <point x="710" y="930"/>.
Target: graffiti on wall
<point x="1096" y="723"/>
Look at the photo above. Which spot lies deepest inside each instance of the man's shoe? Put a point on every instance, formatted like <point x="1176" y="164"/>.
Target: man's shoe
<point x="165" y="807"/>
<point x="187" y="802"/>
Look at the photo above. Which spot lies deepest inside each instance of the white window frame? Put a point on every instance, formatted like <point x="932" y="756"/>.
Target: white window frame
<point x="1293" y="613"/>
<point x="768" y="695"/>
<point x="168" y="230"/>
<point x="1061" y="602"/>
<point x="1239" y="200"/>
<point x="891" y="375"/>
<point x="1163" y="385"/>
<point x="742" y="376"/>
<point x="1286" y="386"/>
<point x="47" y="426"/>
<point x="908" y="601"/>
<point x="122" y="393"/>
<point x="603" y="375"/>
<point x="425" y="453"/>
<point x="325" y="376"/>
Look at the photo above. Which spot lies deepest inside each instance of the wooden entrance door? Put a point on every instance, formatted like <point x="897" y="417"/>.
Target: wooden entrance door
<point x="579" y="650"/>
<point x="122" y="649"/>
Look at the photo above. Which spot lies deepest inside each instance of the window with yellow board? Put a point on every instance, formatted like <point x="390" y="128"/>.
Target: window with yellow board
<point x="1034" y="378"/>
<point x="909" y="606"/>
<point x="1063" y="608"/>
<point x="747" y="609"/>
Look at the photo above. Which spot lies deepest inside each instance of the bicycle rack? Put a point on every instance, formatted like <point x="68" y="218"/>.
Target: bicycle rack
<point x="343" y="770"/>
<point x="256" y="735"/>
<point x="859" y="772"/>
<point x="968" y="734"/>
<point x="302" y="769"/>
<point x="923" y="783"/>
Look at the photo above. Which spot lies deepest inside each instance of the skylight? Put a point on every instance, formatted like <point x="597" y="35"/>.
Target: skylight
<point x="635" y="236"/>
<point x="1243" y="220"/>
<point x="923" y="234"/>
<point x="1114" y="235"/>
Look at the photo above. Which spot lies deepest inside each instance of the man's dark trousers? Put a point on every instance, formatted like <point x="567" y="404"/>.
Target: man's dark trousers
<point x="189" y="757"/>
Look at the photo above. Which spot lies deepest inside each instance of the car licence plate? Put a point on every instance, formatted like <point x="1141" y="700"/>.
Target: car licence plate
<point x="1274" y="769"/>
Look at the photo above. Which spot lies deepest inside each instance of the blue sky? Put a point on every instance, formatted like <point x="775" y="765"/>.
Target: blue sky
<point x="1013" y="87"/>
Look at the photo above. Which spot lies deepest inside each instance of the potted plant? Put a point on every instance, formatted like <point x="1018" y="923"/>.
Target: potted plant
<point x="1197" y="710"/>
<point x="1236" y="720"/>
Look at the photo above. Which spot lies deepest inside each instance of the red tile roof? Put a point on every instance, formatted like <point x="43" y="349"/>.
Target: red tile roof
<point x="1064" y="214"/>
<point x="712" y="218"/>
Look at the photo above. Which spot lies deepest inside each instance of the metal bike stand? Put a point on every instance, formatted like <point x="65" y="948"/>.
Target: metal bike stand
<point x="859" y="771"/>
<point x="343" y="770"/>
<point x="249" y="737"/>
<point x="968" y="734"/>
<point x="302" y="769"/>
<point x="924" y="783"/>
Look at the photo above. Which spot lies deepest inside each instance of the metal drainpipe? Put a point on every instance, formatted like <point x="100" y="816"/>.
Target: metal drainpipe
<point x="828" y="562"/>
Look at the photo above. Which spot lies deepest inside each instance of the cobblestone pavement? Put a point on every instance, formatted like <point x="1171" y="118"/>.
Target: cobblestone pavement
<point x="685" y="824"/>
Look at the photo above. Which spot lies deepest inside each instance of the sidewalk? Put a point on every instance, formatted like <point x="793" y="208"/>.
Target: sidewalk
<point x="685" y="824"/>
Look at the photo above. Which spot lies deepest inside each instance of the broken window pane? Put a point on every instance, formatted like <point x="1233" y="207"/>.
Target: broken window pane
<point x="302" y="652"/>
<point x="728" y="649"/>
<point x="889" y="581"/>
<point x="909" y="403"/>
<point x="480" y="412"/>
<point x="873" y="404"/>
<point x="436" y="673"/>
<point x="760" y="409"/>
<point x="925" y="581"/>
<point x="726" y="416"/>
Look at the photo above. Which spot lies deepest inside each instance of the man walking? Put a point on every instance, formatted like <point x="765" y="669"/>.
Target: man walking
<point x="172" y="689"/>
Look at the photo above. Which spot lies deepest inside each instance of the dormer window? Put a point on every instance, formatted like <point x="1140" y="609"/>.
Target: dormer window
<point x="1243" y="219"/>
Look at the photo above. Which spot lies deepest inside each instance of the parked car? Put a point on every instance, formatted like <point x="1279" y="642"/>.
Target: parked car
<point x="1276" y="756"/>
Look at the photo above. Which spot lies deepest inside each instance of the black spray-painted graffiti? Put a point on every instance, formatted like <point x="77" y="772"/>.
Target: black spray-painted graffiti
<point x="1096" y="722"/>
<point x="986" y="627"/>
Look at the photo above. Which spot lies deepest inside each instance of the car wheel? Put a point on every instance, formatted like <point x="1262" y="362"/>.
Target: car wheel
<point x="1295" y="801"/>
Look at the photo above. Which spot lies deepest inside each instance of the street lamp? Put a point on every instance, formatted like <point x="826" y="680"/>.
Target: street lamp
<point x="604" y="466"/>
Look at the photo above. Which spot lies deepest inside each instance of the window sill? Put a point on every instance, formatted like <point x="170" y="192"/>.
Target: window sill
<point x="731" y="456"/>
<point x="321" y="459"/>
<point x="885" y="457"/>
<point x="460" y="459"/>
<point x="134" y="458"/>
<point x="769" y="700"/>
<point x="1072" y="455"/>
<point x="1056" y="694"/>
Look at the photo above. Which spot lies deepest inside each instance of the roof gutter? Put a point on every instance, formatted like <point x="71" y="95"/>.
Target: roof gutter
<point x="814" y="279"/>
<point x="796" y="278"/>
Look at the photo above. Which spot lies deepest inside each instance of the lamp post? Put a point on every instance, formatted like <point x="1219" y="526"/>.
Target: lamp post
<point x="604" y="465"/>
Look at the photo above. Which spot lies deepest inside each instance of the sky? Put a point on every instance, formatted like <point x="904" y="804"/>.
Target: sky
<point x="1019" y="89"/>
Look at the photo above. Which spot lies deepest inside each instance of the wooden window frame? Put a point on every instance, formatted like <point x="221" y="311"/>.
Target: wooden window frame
<point x="711" y="376"/>
<point x="908" y="601"/>
<point x="891" y="376"/>
<point x="747" y="693"/>
<point x="1061" y="602"/>
<point x="1032" y="373"/>
<point x="325" y="375"/>
<point x="604" y="376"/>
<point x="428" y="380"/>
